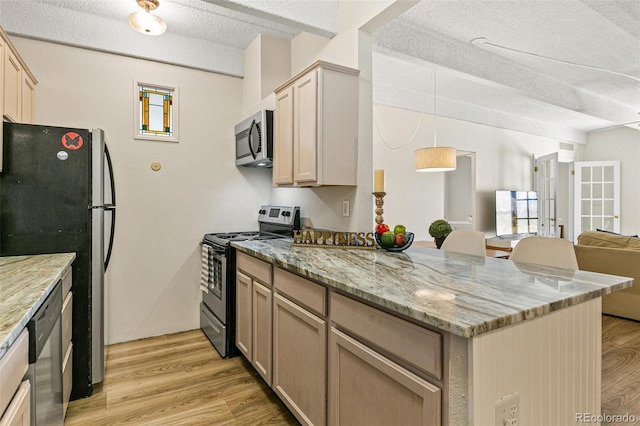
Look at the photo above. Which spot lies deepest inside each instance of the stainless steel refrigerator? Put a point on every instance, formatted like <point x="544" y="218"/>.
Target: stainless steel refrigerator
<point x="53" y="200"/>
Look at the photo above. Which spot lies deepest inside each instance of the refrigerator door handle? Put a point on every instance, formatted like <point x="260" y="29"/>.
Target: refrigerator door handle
<point x="110" y="207"/>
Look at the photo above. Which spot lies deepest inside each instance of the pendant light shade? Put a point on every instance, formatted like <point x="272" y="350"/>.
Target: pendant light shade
<point x="145" y="22"/>
<point x="436" y="159"/>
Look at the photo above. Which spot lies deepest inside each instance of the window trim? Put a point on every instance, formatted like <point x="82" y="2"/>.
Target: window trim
<point x="175" y="112"/>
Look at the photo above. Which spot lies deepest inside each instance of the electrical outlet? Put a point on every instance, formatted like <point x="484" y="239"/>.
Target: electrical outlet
<point x="345" y="208"/>
<point x="508" y="410"/>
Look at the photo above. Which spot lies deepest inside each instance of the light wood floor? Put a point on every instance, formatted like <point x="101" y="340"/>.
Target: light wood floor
<point x="620" y="367"/>
<point x="179" y="379"/>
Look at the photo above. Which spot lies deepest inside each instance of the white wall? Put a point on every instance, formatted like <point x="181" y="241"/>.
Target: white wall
<point x="350" y="47"/>
<point x="152" y="282"/>
<point x="622" y="144"/>
<point x="503" y="161"/>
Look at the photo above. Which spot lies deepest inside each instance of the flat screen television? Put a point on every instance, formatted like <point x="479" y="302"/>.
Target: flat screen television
<point x="516" y="213"/>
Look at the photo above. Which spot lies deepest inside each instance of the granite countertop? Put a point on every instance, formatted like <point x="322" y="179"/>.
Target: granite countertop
<point x="462" y="294"/>
<point x="25" y="283"/>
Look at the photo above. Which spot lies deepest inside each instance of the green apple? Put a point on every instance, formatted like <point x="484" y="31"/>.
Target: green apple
<point x="399" y="229"/>
<point x="388" y="239"/>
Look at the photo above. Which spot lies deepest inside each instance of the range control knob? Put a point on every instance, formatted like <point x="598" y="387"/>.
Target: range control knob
<point x="287" y="213"/>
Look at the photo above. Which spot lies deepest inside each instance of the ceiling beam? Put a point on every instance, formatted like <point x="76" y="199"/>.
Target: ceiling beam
<point x="417" y="44"/>
<point x="268" y="16"/>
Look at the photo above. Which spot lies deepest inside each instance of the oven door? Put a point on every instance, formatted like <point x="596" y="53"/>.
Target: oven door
<point x="214" y="279"/>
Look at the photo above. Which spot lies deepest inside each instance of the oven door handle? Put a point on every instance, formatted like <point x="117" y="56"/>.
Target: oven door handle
<point x="215" y="252"/>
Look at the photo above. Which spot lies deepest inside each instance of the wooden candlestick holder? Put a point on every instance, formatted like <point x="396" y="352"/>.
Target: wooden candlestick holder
<point x="379" y="202"/>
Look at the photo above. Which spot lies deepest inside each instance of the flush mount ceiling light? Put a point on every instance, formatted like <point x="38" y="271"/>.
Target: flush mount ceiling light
<point x="145" y="22"/>
<point x="435" y="159"/>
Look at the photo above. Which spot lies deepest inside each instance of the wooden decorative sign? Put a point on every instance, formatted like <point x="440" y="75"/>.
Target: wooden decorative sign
<point x="317" y="238"/>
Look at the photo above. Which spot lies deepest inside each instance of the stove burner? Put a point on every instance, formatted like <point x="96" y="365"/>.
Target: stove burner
<point x="225" y="238"/>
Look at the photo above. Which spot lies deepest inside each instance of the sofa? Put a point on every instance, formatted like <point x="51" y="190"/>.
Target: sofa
<point x="613" y="254"/>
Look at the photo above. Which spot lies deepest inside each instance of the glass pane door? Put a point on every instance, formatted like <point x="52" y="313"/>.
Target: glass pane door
<point x="546" y="185"/>
<point x="596" y="196"/>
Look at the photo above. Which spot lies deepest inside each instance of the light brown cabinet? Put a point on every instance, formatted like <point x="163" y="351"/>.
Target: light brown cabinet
<point x="14" y="392"/>
<point x="316" y="127"/>
<point x="254" y="303"/>
<point x="19" y="411"/>
<point x="368" y="389"/>
<point x="382" y="369"/>
<point x="17" y="84"/>
<point x="283" y="134"/>
<point x="28" y="99"/>
<point x="67" y="344"/>
<point x="300" y="347"/>
<point x="262" y="308"/>
<point x="335" y="360"/>
<point x="12" y="86"/>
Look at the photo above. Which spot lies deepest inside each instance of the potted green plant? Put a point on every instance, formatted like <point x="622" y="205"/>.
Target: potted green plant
<point x="439" y="229"/>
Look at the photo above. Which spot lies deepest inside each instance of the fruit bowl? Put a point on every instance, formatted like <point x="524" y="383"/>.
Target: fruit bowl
<point x="395" y="248"/>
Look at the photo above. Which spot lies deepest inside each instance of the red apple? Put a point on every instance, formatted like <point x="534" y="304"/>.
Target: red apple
<point x="382" y="228"/>
<point x="400" y="239"/>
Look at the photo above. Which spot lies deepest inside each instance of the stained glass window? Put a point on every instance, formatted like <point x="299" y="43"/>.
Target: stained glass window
<point x="156" y="112"/>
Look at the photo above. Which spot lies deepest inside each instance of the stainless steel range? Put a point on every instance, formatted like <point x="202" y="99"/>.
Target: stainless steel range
<point x="217" y="282"/>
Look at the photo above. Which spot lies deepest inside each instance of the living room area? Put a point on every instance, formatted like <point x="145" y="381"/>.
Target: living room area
<point x="417" y="199"/>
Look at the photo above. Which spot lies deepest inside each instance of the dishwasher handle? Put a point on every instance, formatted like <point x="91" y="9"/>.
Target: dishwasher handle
<point x="43" y="322"/>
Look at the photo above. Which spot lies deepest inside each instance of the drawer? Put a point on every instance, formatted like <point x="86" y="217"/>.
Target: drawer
<point x="13" y="367"/>
<point x="415" y="345"/>
<point x="67" y="377"/>
<point x="66" y="281"/>
<point x="307" y="293"/>
<point x="256" y="268"/>
<point x="67" y="314"/>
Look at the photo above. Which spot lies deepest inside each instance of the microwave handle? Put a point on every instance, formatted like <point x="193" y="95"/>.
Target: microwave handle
<point x="253" y="154"/>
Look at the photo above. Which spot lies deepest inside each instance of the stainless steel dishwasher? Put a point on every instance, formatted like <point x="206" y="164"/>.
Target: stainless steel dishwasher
<point x="45" y="361"/>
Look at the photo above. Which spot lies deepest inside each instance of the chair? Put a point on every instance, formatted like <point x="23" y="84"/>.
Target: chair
<point x="465" y="242"/>
<point x="545" y="251"/>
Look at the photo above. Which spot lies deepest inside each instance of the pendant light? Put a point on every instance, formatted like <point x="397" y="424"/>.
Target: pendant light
<point x="145" y="22"/>
<point x="435" y="159"/>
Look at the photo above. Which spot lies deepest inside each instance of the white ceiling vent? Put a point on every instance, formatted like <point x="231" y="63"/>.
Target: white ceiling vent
<point x="566" y="153"/>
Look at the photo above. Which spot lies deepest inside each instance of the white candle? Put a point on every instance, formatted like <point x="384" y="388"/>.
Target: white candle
<point x="378" y="181"/>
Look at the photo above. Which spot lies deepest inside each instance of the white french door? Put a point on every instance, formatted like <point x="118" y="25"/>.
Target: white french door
<point x="596" y="196"/>
<point x="546" y="187"/>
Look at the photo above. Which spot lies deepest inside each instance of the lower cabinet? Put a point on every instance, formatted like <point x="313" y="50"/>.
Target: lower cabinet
<point x="366" y="388"/>
<point x="336" y="361"/>
<point x="261" y="306"/>
<point x="15" y="394"/>
<point x="254" y="313"/>
<point x="67" y="345"/>
<point x="300" y="361"/>
<point x="19" y="411"/>
<point x="244" y="324"/>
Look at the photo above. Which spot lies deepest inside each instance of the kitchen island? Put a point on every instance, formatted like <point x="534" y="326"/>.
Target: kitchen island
<point x="494" y="330"/>
<point x="25" y="283"/>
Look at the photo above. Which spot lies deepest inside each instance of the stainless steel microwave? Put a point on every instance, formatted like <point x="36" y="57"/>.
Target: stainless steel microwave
<point x="254" y="140"/>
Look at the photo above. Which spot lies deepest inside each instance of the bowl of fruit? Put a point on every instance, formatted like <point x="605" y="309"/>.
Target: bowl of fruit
<point x="395" y="241"/>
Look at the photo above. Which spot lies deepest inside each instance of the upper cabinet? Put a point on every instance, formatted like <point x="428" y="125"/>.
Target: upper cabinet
<point x="316" y="127"/>
<point x="17" y="98"/>
<point x="12" y="86"/>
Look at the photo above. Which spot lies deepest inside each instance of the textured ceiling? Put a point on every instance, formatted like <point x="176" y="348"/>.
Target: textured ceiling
<point x="477" y="83"/>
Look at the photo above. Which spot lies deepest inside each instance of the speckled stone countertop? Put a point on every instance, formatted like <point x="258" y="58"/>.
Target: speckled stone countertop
<point x="25" y="283"/>
<point x="462" y="294"/>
